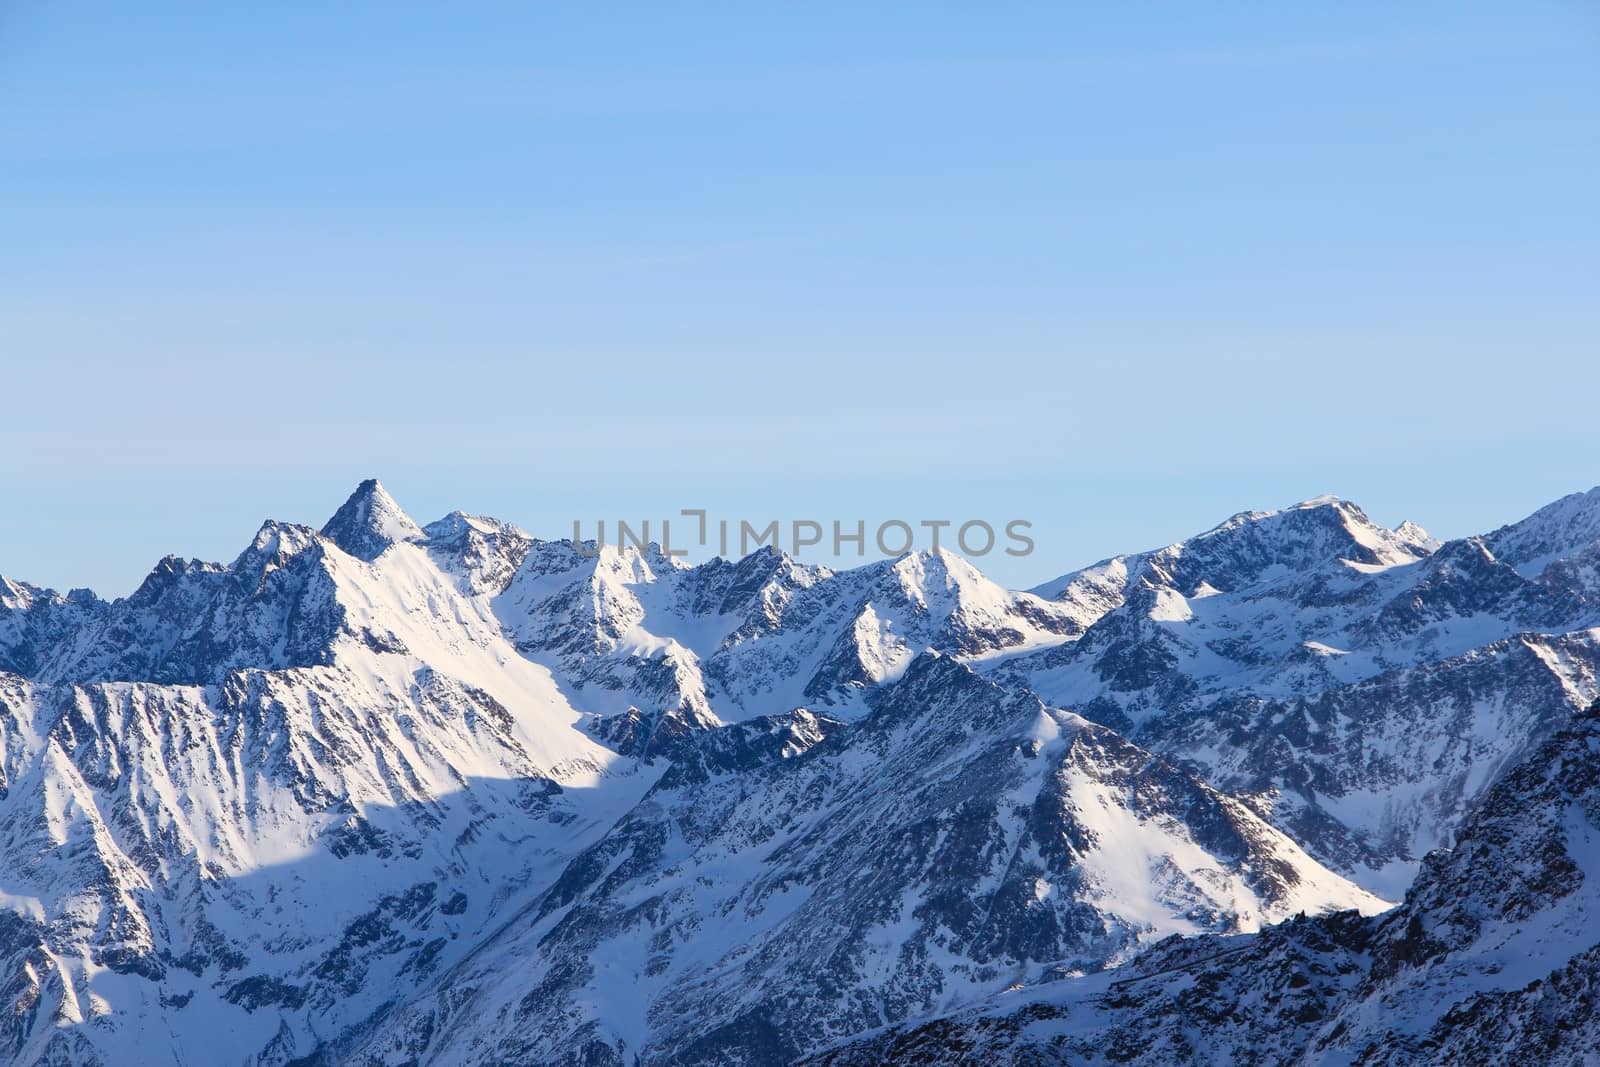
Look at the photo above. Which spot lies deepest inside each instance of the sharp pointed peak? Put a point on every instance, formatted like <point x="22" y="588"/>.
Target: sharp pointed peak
<point x="1415" y="536"/>
<point x="370" y="489"/>
<point x="369" y="522"/>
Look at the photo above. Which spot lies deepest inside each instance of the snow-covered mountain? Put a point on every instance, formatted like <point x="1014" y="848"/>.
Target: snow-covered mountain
<point x="798" y="879"/>
<point x="247" y="805"/>
<point x="392" y="793"/>
<point x="724" y="641"/>
<point x="1367" y="683"/>
<point x="1494" y="958"/>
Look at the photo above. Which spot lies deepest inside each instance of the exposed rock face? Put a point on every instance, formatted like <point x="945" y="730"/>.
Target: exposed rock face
<point x="370" y="522"/>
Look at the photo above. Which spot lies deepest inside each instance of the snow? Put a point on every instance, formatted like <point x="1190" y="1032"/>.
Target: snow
<point x="387" y="706"/>
<point x="1554" y="531"/>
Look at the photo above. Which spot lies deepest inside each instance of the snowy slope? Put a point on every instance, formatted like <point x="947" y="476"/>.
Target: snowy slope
<point x="636" y="632"/>
<point x="1553" y="532"/>
<point x="1493" y="959"/>
<point x="356" y="777"/>
<point x="1371" y="680"/>
<point x="956" y="840"/>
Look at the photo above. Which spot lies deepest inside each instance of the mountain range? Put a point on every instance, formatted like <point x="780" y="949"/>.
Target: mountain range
<point x="1300" y="788"/>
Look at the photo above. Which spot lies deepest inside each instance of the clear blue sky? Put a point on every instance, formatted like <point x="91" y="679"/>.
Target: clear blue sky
<point x="1120" y="269"/>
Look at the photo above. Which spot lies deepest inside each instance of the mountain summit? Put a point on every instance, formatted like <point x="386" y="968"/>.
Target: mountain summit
<point x="369" y="522"/>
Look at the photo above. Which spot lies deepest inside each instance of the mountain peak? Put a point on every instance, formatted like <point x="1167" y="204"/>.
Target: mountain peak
<point x="1554" y="531"/>
<point x="1328" y="507"/>
<point x="369" y="522"/>
<point x="1414" y="536"/>
<point x="458" y="524"/>
<point x="1245" y="549"/>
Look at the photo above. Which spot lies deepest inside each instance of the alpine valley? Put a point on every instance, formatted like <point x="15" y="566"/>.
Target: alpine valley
<point x="1300" y="789"/>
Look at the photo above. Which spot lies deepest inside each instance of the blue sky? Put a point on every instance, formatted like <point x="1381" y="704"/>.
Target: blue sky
<point x="1119" y="269"/>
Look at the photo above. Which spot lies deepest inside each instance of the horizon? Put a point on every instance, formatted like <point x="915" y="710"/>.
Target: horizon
<point x="833" y="562"/>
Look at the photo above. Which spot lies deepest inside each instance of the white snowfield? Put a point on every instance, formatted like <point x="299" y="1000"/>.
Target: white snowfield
<point x="391" y="793"/>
